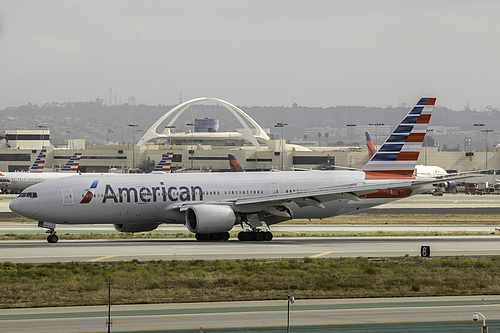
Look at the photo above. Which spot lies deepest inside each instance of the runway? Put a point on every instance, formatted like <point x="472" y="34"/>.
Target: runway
<point x="425" y="314"/>
<point x="188" y="249"/>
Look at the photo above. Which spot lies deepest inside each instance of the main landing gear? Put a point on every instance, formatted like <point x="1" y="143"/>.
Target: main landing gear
<point x="216" y="237"/>
<point x="255" y="235"/>
<point x="52" y="237"/>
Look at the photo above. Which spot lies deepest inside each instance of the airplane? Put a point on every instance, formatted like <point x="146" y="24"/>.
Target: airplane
<point x="18" y="181"/>
<point x="234" y="164"/>
<point x="211" y="204"/>
<point x="39" y="163"/>
<point x="427" y="171"/>
<point x="72" y="164"/>
<point x="165" y="163"/>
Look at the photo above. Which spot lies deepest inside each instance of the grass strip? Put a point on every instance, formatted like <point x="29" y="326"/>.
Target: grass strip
<point x="134" y="282"/>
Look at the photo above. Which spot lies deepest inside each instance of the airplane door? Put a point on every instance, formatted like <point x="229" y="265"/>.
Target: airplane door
<point x="274" y="188"/>
<point x="67" y="195"/>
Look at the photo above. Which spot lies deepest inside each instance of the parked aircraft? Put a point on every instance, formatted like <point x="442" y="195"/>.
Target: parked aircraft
<point x="211" y="204"/>
<point x="234" y="164"/>
<point x="39" y="163"/>
<point x="165" y="164"/>
<point x="427" y="171"/>
<point x="18" y="181"/>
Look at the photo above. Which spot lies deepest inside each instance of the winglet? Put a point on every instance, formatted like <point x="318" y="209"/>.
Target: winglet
<point x="234" y="164"/>
<point x="399" y="153"/>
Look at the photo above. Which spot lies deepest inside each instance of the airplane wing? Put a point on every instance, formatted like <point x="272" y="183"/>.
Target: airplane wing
<point x="312" y="198"/>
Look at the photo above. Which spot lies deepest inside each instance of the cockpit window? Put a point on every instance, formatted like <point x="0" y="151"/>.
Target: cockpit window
<point x="28" y="194"/>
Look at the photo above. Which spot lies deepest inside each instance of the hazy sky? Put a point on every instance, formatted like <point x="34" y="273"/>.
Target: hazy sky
<point x="320" y="53"/>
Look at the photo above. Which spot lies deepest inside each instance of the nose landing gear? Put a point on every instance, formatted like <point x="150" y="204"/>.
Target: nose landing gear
<point x="52" y="237"/>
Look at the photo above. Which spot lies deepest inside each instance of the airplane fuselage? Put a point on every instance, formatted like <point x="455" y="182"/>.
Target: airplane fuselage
<point x="157" y="197"/>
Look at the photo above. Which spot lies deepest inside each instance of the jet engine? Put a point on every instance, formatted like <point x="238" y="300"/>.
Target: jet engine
<point x="450" y="186"/>
<point x="209" y="219"/>
<point x="135" y="227"/>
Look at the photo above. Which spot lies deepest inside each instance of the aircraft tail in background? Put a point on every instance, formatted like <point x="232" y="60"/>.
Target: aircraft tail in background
<point x="72" y="164"/>
<point x="371" y="146"/>
<point x="234" y="164"/>
<point x="399" y="153"/>
<point x="165" y="163"/>
<point x="39" y="162"/>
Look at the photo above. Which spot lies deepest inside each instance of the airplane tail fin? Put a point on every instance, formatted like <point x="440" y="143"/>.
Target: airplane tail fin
<point x="234" y="164"/>
<point x="39" y="162"/>
<point x="165" y="163"/>
<point x="369" y="143"/>
<point x="399" y="153"/>
<point x="72" y="164"/>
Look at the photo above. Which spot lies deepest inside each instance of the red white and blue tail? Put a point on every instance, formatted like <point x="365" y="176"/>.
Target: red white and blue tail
<point x="399" y="153"/>
<point x="39" y="162"/>
<point x="165" y="163"/>
<point x="72" y="164"/>
<point x="234" y="164"/>
<point x="371" y="146"/>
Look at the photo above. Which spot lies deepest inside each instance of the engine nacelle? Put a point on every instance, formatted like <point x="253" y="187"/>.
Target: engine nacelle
<point x="135" y="227"/>
<point x="210" y="219"/>
<point x="450" y="186"/>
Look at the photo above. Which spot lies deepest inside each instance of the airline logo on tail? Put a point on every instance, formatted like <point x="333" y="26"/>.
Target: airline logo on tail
<point x="72" y="164"/>
<point x="89" y="195"/>
<point x="371" y="146"/>
<point x="234" y="164"/>
<point x="399" y="153"/>
<point x="39" y="162"/>
<point x="165" y="163"/>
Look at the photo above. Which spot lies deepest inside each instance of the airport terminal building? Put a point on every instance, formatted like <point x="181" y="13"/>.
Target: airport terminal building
<point x="205" y="148"/>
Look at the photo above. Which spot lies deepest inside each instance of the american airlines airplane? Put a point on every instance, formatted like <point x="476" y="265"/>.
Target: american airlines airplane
<point x="211" y="204"/>
<point x="18" y="181"/>
<point x="39" y="163"/>
<point x="427" y="171"/>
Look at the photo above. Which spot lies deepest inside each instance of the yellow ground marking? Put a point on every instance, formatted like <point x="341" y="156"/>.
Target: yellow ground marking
<point x="320" y="255"/>
<point x="102" y="258"/>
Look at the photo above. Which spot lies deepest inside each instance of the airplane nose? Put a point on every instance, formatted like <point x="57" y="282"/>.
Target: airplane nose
<point x="15" y="205"/>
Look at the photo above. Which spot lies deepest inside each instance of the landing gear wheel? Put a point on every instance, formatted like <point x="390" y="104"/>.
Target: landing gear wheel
<point x="216" y="237"/>
<point x="245" y="236"/>
<point x="52" y="238"/>
<point x="268" y="236"/>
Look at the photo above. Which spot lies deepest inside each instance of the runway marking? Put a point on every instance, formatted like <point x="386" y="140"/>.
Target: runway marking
<point x="102" y="258"/>
<point x="320" y="255"/>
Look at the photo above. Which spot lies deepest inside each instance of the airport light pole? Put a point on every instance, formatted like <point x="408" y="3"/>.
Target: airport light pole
<point x="42" y="127"/>
<point x="475" y="317"/>
<point x="351" y="126"/>
<point x="486" y="131"/>
<point x="376" y="132"/>
<point x="191" y="151"/>
<point x="427" y="144"/>
<point x="133" y="142"/>
<point x="282" y="125"/>
<point x="478" y="125"/>
<point x="291" y="300"/>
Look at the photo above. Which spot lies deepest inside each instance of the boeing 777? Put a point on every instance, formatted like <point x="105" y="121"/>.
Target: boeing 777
<point x="211" y="204"/>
